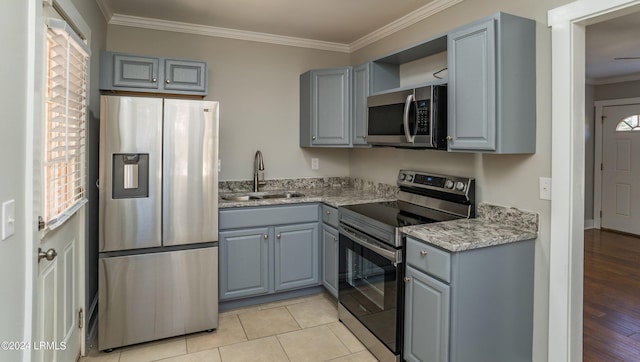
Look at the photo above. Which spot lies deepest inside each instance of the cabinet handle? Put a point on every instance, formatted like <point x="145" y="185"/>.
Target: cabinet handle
<point x="266" y="236"/>
<point x="423" y="252"/>
<point x="335" y="239"/>
<point x="407" y="279"/>
<point x="328" y="212"/>
<point x="449" y="138"/>
<point x="154" y="80"/>
<point x="278" y="236"/>
<point x="313" y="138"/>
<point x="168" y="81"/>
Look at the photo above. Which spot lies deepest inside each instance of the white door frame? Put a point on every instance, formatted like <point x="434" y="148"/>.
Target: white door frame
<point x="566" y="251"/>
<point x="597" y="172"/>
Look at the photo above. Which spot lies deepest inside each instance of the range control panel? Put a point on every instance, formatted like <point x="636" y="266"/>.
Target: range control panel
<point x="423" y="180"/>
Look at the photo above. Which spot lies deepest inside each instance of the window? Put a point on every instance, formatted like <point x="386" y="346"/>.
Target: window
<point x="628" y="124"/>
<point x="65" y="119"/>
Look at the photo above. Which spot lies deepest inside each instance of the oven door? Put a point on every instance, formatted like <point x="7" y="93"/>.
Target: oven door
<point x="370" y="285"/>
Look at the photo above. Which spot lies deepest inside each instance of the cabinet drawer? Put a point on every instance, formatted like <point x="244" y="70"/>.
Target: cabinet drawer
<point x="429" y="259"/>
<point x="248" y="217"/>
<point x="330" y="215"/>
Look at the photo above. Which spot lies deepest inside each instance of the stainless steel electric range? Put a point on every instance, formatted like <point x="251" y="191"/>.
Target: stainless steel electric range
<point x="371" y="253"/>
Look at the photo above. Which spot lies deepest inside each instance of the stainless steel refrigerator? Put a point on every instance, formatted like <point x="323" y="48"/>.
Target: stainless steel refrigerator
<point x="158" y="232"/>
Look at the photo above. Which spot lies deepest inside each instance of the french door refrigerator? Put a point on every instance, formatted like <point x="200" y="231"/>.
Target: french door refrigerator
<point x="158" y="232"/>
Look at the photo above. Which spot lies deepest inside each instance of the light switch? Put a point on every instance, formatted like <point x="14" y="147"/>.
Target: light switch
<point x="315" y="163"/>
<point x="8" y="218"/>
<point x="545" y="188"/>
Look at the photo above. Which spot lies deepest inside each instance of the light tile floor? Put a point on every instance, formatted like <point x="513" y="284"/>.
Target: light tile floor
<point x="301" y="329"/>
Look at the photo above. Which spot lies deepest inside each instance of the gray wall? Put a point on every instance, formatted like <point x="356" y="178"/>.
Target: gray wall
<point x="257" y="85"/>
<point x="93" y="16"/>
<point x="13" y="102"/>
<point x="589" y="147"/>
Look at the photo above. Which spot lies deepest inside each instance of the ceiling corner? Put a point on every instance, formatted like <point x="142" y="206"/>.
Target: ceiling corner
<point x="106" y="10"/>
<point x="420" y="14"/>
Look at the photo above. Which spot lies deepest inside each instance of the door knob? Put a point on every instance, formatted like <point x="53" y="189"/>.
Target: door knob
<point x="406" y="279"/>
<point x="49" y="254"/>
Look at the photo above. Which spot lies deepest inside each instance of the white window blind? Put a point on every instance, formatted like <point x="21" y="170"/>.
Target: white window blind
<point x="66" y="110"/>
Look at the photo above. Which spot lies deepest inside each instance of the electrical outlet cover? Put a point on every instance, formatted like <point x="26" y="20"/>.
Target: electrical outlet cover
<point x="8" y="218"/>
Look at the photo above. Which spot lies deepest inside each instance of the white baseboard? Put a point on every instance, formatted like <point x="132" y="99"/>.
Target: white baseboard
<point x="589" y="224"/>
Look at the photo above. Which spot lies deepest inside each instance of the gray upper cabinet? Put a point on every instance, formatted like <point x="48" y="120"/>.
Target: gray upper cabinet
<point x="325" y="107"/>
<point x="492" y="86"/>
<point x="185" y="75"/>
<point x="137" y="73"/>
<point x="359" y="105"/>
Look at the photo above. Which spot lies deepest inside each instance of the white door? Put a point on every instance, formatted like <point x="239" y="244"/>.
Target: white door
<point x="57" y="334"/>
<point x="621" y="168"/>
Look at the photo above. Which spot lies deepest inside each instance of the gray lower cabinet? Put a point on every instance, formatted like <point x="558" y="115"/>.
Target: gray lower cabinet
<point x="270" y="249"/>
<point x="329" y="239"/>
<point x="139" y="73"/>
<point x="244" y="262"/>
<point x="426" y="311"/>
<point x="297" y="263"/>
<point x="473" y="305"/>
<point x="492" y="85"/>
<point x="330" y="259"/>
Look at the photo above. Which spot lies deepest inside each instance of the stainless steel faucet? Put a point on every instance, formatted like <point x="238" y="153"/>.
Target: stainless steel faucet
<point x="258" y="170"/>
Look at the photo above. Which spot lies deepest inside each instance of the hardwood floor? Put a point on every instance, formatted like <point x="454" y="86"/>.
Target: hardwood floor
<point x="611" y="297"/>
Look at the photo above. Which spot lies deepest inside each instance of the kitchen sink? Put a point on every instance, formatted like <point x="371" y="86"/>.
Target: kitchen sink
<point x="240" y="197"/>
<point x="261" y="196"/>
<point x="282" y="195"/>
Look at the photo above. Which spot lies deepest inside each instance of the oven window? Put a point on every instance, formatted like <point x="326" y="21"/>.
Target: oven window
<point x="368" y="288"/>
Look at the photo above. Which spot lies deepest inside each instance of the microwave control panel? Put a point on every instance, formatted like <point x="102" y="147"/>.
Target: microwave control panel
<point x="422" y="117"/>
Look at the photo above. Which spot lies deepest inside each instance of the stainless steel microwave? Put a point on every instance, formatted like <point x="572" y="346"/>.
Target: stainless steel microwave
<point x="412" y="118"/>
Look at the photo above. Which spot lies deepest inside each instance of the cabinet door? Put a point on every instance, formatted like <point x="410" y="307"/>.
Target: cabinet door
<point x="244" y="262"/>
<point x="472" y="87"/>
<point x="185" y="75"/>
<point x="426" y="320"/>
<point x="359" y="105"/>
<point x="330" y="259"/>
<point x="330" y="94"/>
<point x="296" y="256"/>
<point x="135" y="71"/>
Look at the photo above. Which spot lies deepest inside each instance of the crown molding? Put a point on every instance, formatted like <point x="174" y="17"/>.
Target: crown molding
<point x="418" y="15"/>
<point x="106" y="10"/>
<point x="157" y="24"/>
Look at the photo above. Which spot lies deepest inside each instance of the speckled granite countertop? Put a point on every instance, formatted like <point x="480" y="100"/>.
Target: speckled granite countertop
<point x="333" y="191"/>
<point x="494" y="225"/>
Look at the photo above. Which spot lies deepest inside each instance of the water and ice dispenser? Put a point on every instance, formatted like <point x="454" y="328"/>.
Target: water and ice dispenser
<point x="130" y="175"/>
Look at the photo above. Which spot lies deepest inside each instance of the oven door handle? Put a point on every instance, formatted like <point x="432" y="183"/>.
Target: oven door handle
<point x="405" y="120"/>
<point x="393" y="256"/>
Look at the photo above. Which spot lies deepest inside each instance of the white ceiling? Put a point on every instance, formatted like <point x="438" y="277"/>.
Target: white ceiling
<point x="337" y="21"/>
<point x="614" y="38"/>
<point x="347" y="22"/>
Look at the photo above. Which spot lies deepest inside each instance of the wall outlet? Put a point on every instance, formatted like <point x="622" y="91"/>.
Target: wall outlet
<point x="315" y="163"/>
<point x="219" y="165"/>
<point x="8" y="218"/>
<point x="545" y="188"/>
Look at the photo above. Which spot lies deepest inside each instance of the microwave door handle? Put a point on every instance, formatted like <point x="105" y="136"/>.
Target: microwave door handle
<point x="405" y="119"/>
